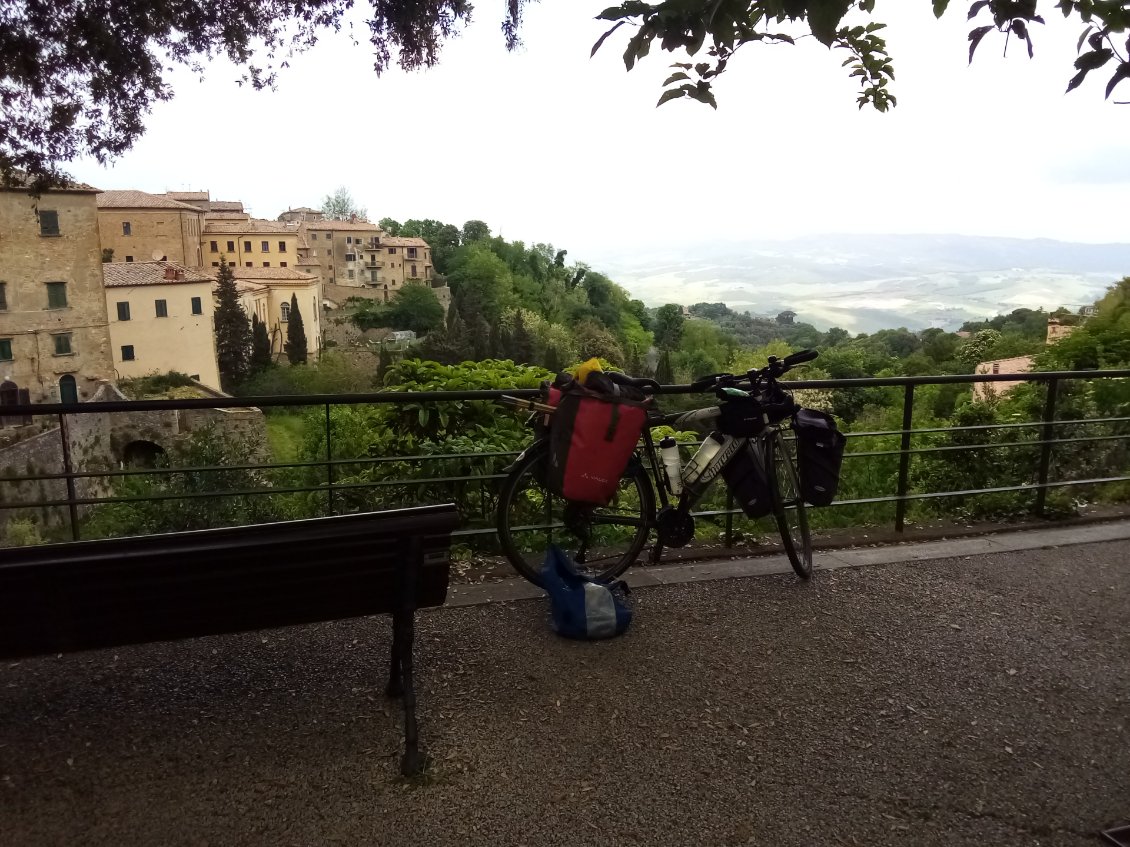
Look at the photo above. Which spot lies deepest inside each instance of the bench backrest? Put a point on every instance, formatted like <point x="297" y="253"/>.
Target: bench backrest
<point x="93" y="594"/>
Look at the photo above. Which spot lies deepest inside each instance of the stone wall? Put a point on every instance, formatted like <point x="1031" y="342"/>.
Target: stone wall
<point x="98" y="442"/>
<point x="29" y="260"/>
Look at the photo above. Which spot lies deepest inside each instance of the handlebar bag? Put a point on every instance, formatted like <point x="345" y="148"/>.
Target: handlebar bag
<point x="591" y="438"/>
<point x="820" y="452"/>
<point x="744" y="417"/>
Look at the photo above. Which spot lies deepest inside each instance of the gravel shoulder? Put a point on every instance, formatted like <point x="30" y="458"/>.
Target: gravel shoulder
<point x="965" y="701"/>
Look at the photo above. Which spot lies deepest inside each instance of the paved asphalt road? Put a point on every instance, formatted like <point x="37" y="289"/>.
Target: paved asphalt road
<point x="969" y="701"/>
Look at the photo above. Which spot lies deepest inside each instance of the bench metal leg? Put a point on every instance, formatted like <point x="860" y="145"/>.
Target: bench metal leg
<point x="414" y="761"/>
<point x="400" y="678"/>
<point x="395" y="685"/>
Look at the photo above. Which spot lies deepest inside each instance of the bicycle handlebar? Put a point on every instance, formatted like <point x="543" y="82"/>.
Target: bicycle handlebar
<point x="776" y="368"/>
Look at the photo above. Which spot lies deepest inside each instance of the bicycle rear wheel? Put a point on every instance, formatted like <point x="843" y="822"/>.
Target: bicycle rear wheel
<point x="610" y="538"/>
<point x="788" y="507"/>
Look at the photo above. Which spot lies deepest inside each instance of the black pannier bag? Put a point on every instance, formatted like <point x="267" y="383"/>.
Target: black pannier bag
<point x="820" y="452"/>
<point x="746" y="480"/>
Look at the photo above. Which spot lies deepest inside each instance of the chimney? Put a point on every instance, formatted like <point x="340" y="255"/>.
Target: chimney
<point x="170" y="272"/>
<point x="179" y="276"/>
<point x="353" y="218"/>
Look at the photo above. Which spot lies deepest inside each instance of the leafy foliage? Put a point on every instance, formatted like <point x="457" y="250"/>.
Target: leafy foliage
<point x="340" y="206"/>
<point x="80" y="78"/>
<point x="413" y="307"/>
<point x="208" y="448"/>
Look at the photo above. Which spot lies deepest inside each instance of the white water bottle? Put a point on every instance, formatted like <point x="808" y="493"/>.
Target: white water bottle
<point x="669" y="450"/>
<point x="702" y="459"/>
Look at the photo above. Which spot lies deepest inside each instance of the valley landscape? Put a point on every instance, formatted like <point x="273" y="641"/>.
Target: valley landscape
<point x="864" y="283"/>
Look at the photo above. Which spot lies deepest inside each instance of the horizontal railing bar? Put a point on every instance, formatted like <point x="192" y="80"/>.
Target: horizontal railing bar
<point x="982" y="426"/>
<point x="277" y="401"/>
<point x="861" y="501"/>
<point x="945" y="448"/>
<point x="369" y="460"/>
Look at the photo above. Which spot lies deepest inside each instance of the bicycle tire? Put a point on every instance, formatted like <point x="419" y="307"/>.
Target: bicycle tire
<point x="524" y="478"/>
<point x="788" y="506"/>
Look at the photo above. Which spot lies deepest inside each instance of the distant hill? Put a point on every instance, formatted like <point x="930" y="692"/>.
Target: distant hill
<point x="869" y="282"/>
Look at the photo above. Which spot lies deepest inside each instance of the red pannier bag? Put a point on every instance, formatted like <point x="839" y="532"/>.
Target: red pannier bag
<point x="591" y="437"/>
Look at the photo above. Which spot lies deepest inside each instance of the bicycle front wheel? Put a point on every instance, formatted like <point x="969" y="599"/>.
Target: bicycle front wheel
<point x="788" y="507"/>
<point x="606" y="539"/>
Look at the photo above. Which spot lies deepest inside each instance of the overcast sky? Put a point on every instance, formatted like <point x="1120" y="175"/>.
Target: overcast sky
<point x="549" y="145"/>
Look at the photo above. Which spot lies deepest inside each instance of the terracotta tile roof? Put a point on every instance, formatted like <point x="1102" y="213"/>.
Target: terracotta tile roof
<point x="225" y="216"/>
<point x="245" y="287"/>
<point x="342" y="226"/>
<point x="225" y="206"/>
<point x="266" y="274"/>
<point x="188" y="195"/>
<point x="120" y="274"/>
<point x="304" y="210"/>
<point x="402" y="241"/>
<point x="20" y="182"/>
<point x="251" y="226"/>
<point x="139" y="200"/>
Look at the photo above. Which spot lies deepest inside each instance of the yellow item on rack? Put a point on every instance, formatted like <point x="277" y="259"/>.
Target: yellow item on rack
<point x="582" y="371"/>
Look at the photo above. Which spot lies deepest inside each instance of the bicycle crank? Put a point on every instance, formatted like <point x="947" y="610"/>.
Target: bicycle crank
<point x="674" y="527"/>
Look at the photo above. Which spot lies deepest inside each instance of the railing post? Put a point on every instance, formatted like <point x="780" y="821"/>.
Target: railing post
<point x="904" y="456"/>
<point x="1047" y="432"/>
<point x="72" y="507"/>
<point x="329" y="465"/>
<point x="729" y="518"/>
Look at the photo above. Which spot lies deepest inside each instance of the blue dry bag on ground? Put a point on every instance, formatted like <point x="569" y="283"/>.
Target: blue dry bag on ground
<point x="582" y="607"/>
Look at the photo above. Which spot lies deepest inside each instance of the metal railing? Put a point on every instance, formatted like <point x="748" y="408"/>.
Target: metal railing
<point x="332" y="488"/>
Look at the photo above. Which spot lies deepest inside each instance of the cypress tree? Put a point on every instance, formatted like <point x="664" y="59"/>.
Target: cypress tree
<point x="295" y="335"/>
<point x="664" y="374"/>
<point x="233" y="331"/>
<point x="260" y="345"/>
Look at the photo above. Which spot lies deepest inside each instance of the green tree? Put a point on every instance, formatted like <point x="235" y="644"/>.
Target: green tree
<point x="233" y="331"/>
<point x="978" y="348"/>
<point x="443" y="239"/>
<point x="668" y="326"/>
<point x="520" y="348"/>
<point x="384" y="362"/>
<point x="295" y="346"/>
<point x="210" y="447"/>
<point x="664" y="373"/>
<point x="261" y="357"/>
<point x="413" y="307"/>
<point x="475" y="231"/>
<point x="340" y="206"/>
<point x="389" y="225"/>
<point x="60" y="102"/>
<point x="107" y="255"/>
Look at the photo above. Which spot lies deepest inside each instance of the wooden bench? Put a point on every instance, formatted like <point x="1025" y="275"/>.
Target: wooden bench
<point x="93" y="594"/>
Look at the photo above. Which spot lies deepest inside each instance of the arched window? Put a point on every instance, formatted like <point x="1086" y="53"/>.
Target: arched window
<point x="68" y="391"/>
<point x="285" y="309"/>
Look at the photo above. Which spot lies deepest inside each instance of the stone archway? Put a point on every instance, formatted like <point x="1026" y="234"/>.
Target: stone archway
<point x="142" y="454"/>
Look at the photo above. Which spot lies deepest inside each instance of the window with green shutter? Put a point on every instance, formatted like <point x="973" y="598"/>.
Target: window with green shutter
<point x="5" y="349"/>
<point x="48" y="222"/>
<point x="56" y="295"/>
<point x="63" y="344"/>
